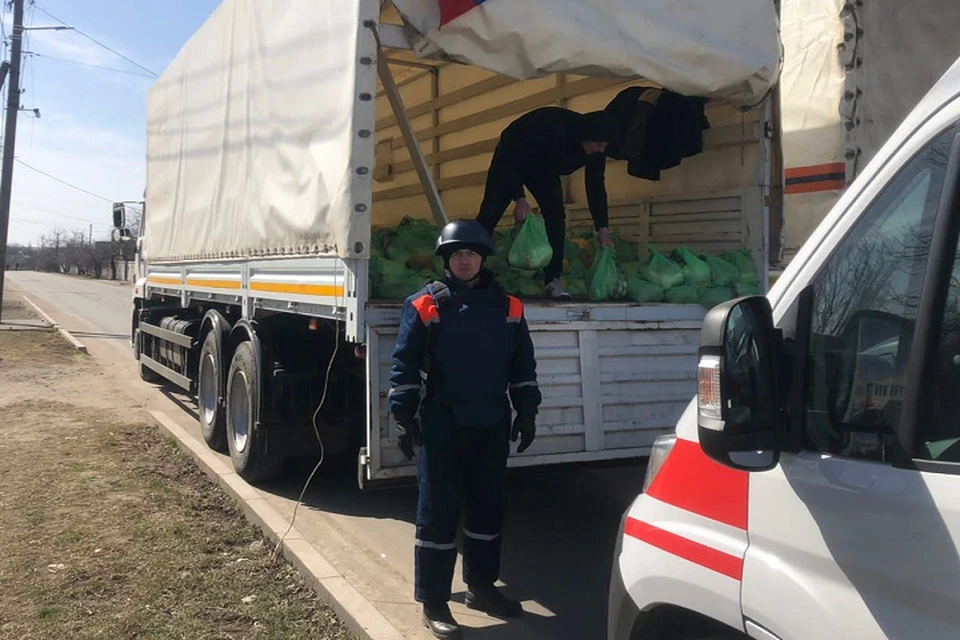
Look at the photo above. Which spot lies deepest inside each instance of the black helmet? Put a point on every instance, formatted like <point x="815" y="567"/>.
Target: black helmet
<point x="464" y="234"/>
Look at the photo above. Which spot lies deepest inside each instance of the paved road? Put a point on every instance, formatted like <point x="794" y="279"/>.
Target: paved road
<point x="106" y="305"/>
<point x="560" y="528"/>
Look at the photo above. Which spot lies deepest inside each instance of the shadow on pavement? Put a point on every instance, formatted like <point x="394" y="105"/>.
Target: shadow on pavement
<point x="559" y="537"/>
<point x="559" y="534"/>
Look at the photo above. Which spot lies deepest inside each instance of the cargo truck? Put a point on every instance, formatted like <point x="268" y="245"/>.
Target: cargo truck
<point x="852" y="72"/>
<point x="285" y="131"/>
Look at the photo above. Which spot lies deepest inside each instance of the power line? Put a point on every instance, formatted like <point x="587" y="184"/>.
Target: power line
<point x="61" y="215"/>
<point x="94" y="40"/>
<point x="86" y="64"/>
<point x="74" y="203"/>
<point x="72" y="186"/>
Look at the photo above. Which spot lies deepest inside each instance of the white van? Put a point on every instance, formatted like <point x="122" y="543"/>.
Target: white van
<point x="813" y="488"/>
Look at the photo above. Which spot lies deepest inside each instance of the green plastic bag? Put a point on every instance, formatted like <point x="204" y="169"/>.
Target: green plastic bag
<point x="743" y="260"/>
<point x="744" y="289"/>
<point x="710" y="297"/>
<point x="606" y="282"/>
<point x="661" y="270"/>
<point x="392" y="269"/>
<point x="530" y="288"/>
<point x="531" y="249"/>
<point x="630" y="269"/>
<point x="577" y="270"/>
<point x="398" y="288"/>
<point x="640" y="290"/>
<point x="626" y="252"/>
<point x="722" y="273"/>
<point x="684" y="294"/>
<point x="696" y="273"/>
<point x="577" y="289"/>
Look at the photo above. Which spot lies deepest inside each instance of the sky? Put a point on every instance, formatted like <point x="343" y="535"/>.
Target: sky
<point x="92" y="127"/>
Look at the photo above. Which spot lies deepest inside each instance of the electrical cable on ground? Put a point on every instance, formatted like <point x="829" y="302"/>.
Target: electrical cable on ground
<point x="316" y="430"/>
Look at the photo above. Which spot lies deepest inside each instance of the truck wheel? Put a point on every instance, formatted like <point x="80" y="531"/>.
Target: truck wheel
<point x="209" y="403"/>
<point x="247" y="440"/>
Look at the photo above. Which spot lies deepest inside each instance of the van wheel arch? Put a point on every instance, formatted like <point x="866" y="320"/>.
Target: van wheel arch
<point x="670" y="622"/>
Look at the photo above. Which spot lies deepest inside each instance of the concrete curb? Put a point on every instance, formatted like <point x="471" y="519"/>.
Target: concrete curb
<point x="79" y="346"/>
<point x="355" y="610"/>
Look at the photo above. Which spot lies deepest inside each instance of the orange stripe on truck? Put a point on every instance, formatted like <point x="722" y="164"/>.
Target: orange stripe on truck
<point x="213" y="284"/>
<point x="819" y="177"/>
<point x="326" y="290"/>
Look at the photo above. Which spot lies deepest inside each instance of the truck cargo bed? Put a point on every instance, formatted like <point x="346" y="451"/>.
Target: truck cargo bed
<point x="613" y="377"/>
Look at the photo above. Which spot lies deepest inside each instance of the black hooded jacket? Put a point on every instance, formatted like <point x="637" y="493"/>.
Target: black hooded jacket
<point x="547" y="141"/>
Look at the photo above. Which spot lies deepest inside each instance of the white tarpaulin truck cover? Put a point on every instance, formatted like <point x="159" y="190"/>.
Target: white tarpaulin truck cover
<point x="253" y="135"/>
<point x="255" y="132"/>
<point x="713" y="48"/>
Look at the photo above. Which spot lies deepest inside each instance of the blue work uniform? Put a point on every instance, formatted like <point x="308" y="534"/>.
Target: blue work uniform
<point x="469" y="346"/>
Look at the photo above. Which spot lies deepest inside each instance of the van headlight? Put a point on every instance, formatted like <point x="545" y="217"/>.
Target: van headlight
<point x="658" y="454"/>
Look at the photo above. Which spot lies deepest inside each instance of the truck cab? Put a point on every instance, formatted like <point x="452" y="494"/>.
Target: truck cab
<point x="811" y="488"/>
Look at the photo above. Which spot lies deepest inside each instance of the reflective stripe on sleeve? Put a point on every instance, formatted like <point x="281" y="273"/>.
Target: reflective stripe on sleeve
<point x="404" y="388"/>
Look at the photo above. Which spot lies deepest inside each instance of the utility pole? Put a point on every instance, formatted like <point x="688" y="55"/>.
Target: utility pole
<point x="10" y="139"/>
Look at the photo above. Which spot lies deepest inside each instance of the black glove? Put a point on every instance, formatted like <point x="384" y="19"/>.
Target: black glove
<point x="409" y="431"/>
<point x="524" y="426"/>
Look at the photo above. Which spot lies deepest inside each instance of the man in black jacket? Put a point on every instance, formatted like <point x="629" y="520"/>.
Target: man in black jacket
<point x="533" y="152"/>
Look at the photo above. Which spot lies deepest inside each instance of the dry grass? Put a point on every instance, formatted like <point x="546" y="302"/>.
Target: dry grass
<point x="110" y="532"/>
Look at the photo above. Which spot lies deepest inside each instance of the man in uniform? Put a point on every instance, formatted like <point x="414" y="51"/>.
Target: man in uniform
<point x="468" y="340"/>
<point x="534" y="151"/>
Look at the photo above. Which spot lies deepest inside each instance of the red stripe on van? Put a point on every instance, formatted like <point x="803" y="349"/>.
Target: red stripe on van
<point x="691" y="481"/>
<point x="700" y="554"/>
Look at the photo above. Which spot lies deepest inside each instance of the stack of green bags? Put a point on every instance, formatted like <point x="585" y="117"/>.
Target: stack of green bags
<point x="690" y="278"/>
<point x="402" y="259"/>
<point x="402" y="262"/>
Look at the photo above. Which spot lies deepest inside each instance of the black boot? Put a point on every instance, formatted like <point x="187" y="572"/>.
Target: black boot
<point x="490" y="600"/>
<point x="439" y="620"/>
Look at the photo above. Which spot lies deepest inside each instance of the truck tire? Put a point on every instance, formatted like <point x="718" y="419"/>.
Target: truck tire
<point x="209" y="401"/>
<point x="246" y="439"/>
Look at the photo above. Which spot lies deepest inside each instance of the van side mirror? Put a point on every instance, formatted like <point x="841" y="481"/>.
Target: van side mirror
<point x="739" y="377"/>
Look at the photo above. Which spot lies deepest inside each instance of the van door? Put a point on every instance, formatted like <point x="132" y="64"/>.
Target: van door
<point x="850" y="536"/>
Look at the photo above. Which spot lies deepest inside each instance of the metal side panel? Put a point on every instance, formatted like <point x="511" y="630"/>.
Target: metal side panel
<point x="164" y="281"/>
<point x="316" y="286"/>
<point x="610" y="386"/>
<point x="323" y="287"/>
